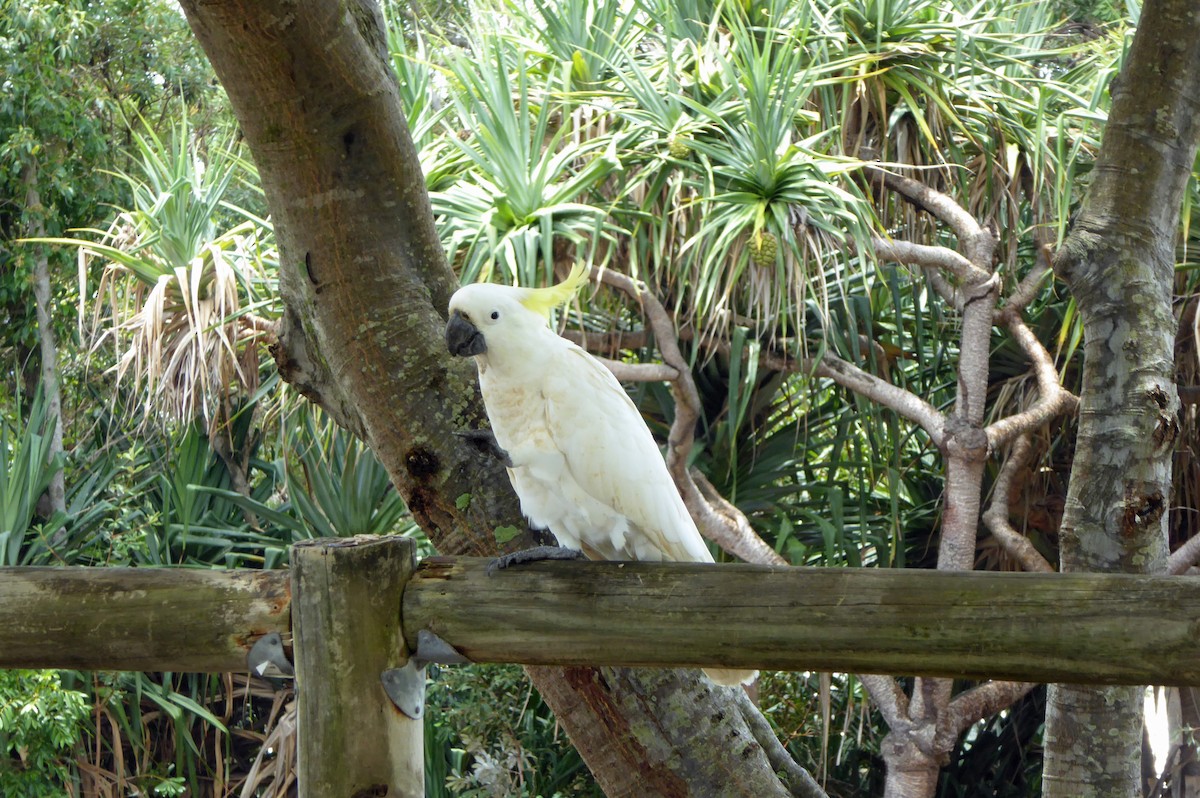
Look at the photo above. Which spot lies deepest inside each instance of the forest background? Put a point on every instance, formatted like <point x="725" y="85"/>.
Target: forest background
<point x="718" y="153"/>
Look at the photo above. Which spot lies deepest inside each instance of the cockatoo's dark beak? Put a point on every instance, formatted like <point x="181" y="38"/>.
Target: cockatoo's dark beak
<point x="463" y="338"/>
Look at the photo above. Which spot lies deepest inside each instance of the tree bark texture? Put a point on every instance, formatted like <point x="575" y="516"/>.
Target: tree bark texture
<point x="1119" y="263"/>
<point x="919" y="741"/>
<point x="366" y="286"/>
<point x="47" y="346"/>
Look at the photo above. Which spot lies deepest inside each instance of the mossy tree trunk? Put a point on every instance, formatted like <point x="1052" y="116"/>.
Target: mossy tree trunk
<point x="366" y="287"/>
<point x="1119" y="263"/>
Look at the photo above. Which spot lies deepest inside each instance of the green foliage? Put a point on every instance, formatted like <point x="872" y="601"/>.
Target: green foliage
<point x="72" y="73"/>
<point x="711" y="149"/>
<point x="185" y="272"/>
<point x="1003" y="752"/>
<point x="333" y="485"/>
<point x="489" y="733"/>
<point x="829" y="727"/>
<point x="40" y="728"/>
<point x="26" y="469"/>
<point x="722" y="145"/>
<point x="503" y="216"/>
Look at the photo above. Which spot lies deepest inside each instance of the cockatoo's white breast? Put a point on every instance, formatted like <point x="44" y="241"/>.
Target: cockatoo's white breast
<point x="584" y="464"/>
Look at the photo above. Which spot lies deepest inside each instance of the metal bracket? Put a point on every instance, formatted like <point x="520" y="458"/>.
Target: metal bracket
<point x="406" y="686"/>
<point x="267" y="657"/>
<point x="431" y="648"/>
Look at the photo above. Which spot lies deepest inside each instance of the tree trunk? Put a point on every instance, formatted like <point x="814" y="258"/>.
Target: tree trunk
<point x="366" y="286"/>
<point x="56" y="493"/>
<point x="1119" y="263"/>
<point x="922" y="735"/>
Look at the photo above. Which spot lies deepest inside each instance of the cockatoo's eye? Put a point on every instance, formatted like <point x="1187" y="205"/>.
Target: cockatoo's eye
<point x="495" y="315"/>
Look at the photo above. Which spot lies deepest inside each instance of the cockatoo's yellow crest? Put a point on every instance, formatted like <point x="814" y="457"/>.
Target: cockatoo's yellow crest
<point x="544" y="300"/>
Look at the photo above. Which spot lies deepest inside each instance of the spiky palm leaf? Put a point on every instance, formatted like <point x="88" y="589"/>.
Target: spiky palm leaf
<point x="521" y="193"/>
<point x="183" y="280"/>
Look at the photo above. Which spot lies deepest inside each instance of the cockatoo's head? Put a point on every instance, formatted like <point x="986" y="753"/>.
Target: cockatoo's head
<point x="488" y="319"/>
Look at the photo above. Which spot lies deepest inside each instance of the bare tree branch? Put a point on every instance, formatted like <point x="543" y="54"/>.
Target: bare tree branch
<point x="996" y="517"/>
<point x="971" y="235"/>
<point x="719" y="521"/>
<point x="976" y="704"/>
<point x="640" y="372"/>
<point x="1184" y="557"/>
<point x="610" y="344"/>
<point x="931" y="257"/>
<point x="1027" y="289"/>
<point x="607" y="343"/>
<point x="941" y="286"/>
<point x="800" y="783"/>
<point x="1053" y="399"/>
<point x="888" y="697"/>
<point x="905" y="403"/>
<point x="735" y="529"/>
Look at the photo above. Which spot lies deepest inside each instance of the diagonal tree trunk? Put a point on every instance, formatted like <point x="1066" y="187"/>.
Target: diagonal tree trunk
<point x="366" y="287"/>
<point x="1119" y="262"/>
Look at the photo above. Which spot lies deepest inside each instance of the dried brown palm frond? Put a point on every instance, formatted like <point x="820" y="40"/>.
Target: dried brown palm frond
<point x="273" y="773"/>
<point x="182" y="283"/>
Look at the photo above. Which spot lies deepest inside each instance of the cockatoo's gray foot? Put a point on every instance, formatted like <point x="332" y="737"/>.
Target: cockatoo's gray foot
<point x="485" y="441"/>
<point x="533" y="555"/>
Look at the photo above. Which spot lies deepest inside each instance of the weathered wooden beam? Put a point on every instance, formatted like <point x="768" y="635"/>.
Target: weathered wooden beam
<point x="138" y="619"/>
<point x="1080" y="628"/>
<point x="352" y="740"/>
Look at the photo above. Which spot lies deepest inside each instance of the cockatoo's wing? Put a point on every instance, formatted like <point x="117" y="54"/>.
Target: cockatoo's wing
<point x="611" y="454"/>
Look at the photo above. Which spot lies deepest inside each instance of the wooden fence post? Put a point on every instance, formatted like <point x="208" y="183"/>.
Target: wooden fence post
<point x="352" y="740"/>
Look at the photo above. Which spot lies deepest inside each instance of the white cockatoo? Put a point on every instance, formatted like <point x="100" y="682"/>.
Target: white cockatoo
<point x="581" y="459"/>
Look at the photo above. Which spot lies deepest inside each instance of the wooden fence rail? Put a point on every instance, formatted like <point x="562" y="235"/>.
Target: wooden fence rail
<point x="357" y="607"/>
<point x="138" y="619"/>
<point x="1081" y="628"/>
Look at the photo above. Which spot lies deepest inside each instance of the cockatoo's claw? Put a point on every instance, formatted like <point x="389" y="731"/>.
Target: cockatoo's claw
<point x="485" y="441"/>
<point x="533" y="555"/>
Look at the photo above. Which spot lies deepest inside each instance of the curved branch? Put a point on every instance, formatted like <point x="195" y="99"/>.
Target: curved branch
<point x="930" y="257"/>
<point x="976" y="704"/>
<point x="888" y="697"/>
<point x="640" y="372"/>
<point x="1184" y="557"/>
<point x="261" y="325"/>
<point x="905" y="403"/>
<point x="1027" y="289"/>
<point x="1053" y="399"/>
<point x="607" y="343"/>
<point x="717" y="519"/>
<point x="941" y="286"/>
<point x="996" y="517"/>
<point x="800" y="783"/>
<point x="730" y="528"/>
<point x="943" y="207"/>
